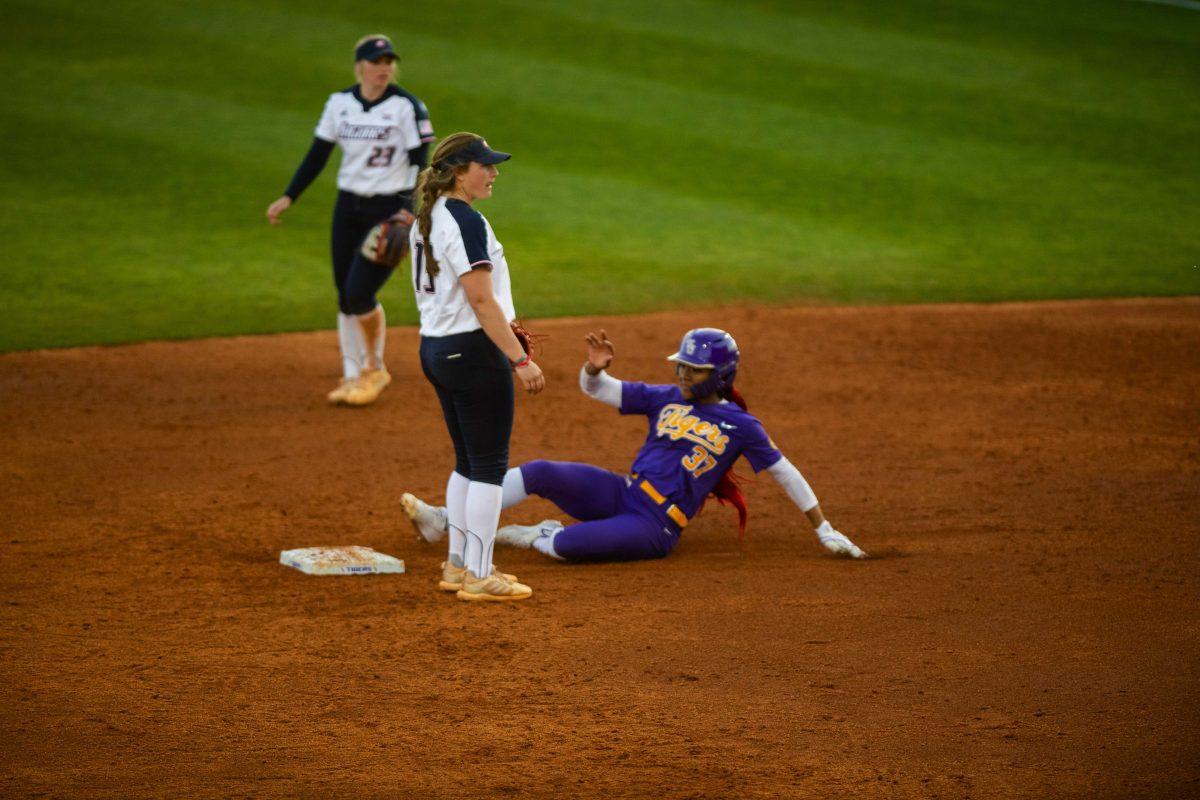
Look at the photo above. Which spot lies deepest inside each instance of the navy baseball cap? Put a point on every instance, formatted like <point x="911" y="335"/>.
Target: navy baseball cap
<point x="478" y="150"/>
<point x="372" y="49"/>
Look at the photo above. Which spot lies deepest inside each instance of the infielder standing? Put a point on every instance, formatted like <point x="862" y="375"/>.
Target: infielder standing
<point x="469" y="353"/>
<point x="698" y="428"/>
<point x="384" y="132"/>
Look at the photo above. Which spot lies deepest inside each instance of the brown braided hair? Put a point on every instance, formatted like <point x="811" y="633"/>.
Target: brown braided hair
<point x="436" y="180"/>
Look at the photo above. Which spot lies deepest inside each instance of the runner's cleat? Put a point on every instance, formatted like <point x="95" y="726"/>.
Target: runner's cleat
<point x="428" y="521"/>
<point x="524" y="536"/>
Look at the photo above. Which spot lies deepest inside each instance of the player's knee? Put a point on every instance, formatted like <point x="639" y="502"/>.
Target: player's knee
<point x="358" y="303"/>
<point x="534" y="474"/>
<point x="462" y="459"/>
<point x="490" y="475"/>
<point x="490" y="469"/>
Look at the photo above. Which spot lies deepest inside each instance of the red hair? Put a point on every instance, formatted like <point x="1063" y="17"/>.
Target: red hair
<point x="727" y="490"/>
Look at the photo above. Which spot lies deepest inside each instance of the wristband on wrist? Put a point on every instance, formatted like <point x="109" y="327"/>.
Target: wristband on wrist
<point x="824" y="528"/>
<point x="523" y="361"/>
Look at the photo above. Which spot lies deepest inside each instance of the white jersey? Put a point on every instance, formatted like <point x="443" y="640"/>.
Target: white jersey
<point x="462" y="240"/>
<point x="375" y="138"/>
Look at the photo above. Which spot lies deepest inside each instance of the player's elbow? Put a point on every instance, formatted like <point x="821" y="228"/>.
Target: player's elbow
<point x="480" y="300"/>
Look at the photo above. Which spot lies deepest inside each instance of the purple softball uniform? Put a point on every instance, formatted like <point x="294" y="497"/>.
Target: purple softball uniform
<point x="687" y="450"/>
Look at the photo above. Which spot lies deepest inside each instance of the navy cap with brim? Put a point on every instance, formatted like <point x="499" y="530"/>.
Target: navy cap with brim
<point x="373" y="49"/>
<point x="477" y="151"/>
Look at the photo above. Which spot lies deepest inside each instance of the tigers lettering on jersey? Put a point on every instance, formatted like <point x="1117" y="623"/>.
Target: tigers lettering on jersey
<point x="689" y="446"/>
<point x="677" y="422"/>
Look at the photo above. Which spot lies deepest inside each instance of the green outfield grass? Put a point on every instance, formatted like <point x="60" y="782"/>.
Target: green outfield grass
<point x="674" y="153"/>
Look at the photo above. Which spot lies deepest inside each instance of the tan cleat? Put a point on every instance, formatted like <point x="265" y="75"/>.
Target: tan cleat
<point x="452" y="577"/>
<point x="338" y="395"/>
<point x="492" y="589"/>
<point x="367" y="387"/>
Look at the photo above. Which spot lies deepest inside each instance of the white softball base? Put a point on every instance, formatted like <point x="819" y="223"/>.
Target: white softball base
<point x="348" y="560"/>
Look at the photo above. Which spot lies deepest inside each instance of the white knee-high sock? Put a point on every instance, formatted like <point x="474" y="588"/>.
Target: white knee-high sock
<point x="456" y="516"/>
<point x="514" y="487"/>
<point x="351" y="344"/>
<point x="545" y="545"/>
<point x="382" y="340"/>
<point x="371" y="332"/>
<point x="483" y="515"/>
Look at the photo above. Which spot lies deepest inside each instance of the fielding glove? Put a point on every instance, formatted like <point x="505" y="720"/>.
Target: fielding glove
<point x="387" y="243"/>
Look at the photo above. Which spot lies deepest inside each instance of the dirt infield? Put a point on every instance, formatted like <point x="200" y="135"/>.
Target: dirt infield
<point x="1025" y="477"/>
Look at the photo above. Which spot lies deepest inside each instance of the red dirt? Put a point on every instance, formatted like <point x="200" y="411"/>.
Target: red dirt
<point x="1025" y="477"/>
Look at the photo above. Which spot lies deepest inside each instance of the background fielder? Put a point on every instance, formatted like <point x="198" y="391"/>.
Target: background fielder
<point x="698" y="429"/>
<point x="384" y="132"/>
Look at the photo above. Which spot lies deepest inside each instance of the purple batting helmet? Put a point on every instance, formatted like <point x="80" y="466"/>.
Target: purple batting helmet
<point x="709" y="348"/>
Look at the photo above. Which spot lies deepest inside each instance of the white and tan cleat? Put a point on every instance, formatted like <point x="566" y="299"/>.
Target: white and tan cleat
<point x="338" y="395"/>
<point x="366" y="389"/>
<point x="524" y="536"/>
<point x="452" y="577"/>
<point x="495" y="588"/>
<point x="429" y="522"/>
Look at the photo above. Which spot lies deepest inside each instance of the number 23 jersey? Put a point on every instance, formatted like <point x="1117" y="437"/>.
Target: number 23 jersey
<point x="375" y="137"/>
<point x="691" y="445"/>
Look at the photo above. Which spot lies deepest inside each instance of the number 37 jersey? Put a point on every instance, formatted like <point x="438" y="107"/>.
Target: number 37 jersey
<point x="375" y="138"/>
<point x="691" y="445"/>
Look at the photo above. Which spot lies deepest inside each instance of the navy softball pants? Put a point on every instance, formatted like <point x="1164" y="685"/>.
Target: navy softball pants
<point x="357" y="279"/>
<point x="474" y="384"/>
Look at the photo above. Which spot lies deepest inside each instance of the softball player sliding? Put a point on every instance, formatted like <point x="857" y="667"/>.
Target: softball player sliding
<point x="469" y="353"/>
<point x="698" y="429"/>
<point x="384" y="133"/>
